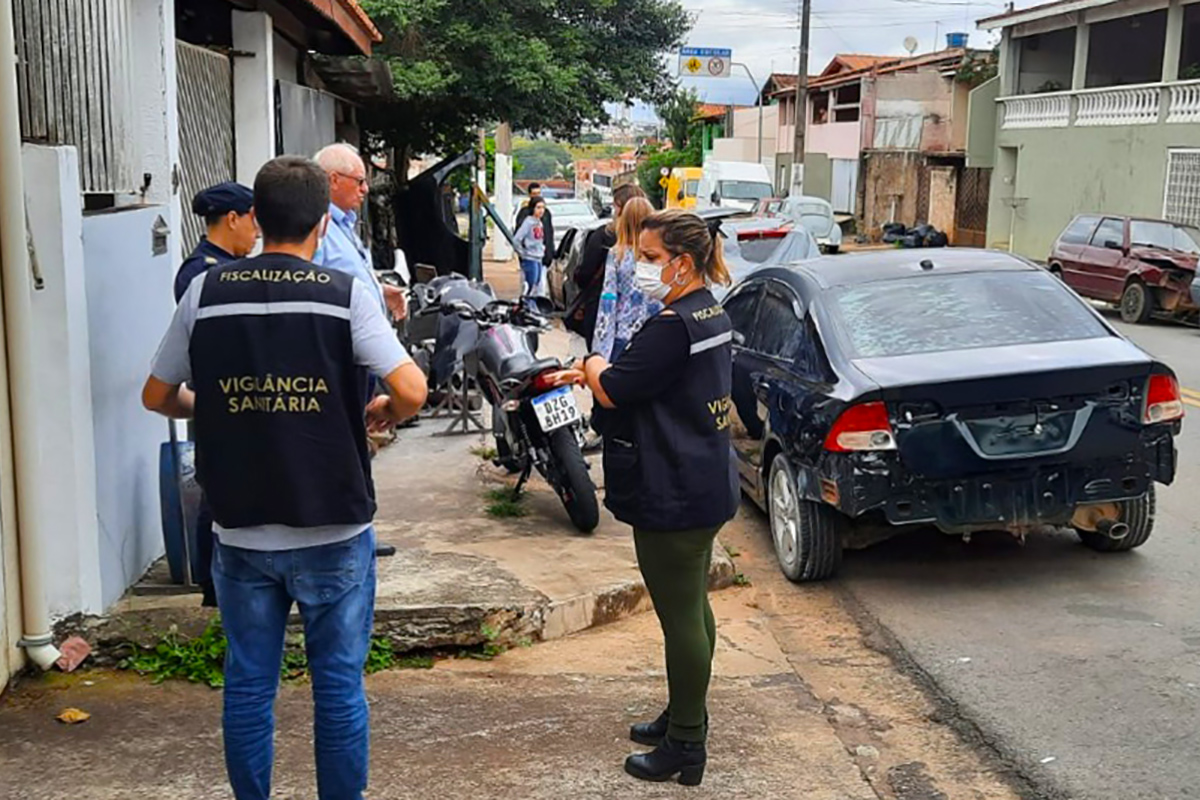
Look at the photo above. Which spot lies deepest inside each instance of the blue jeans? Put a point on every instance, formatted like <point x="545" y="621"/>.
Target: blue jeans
<point x="532" y="272"/>
<point x="334" y="586"/>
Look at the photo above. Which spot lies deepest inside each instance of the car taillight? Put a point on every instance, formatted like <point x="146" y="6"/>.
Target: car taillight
<point x="860" y="428"/>
<point x="1163" y="400"/>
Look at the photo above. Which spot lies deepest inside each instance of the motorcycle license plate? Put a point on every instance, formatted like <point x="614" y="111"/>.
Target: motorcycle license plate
<point x="556" y="409"/>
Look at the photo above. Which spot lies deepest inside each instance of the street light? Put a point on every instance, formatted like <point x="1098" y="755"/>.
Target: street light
<point x="758" y="102"/>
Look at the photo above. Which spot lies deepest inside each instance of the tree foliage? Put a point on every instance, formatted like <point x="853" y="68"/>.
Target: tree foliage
<point x="541" y="159"/>
<point x="541" y="65"/>
<point x="677" y="113"/>
<point x="650" y="171"/>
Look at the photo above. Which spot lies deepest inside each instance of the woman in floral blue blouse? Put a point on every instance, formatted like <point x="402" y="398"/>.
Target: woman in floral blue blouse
<point x="623" y="307"/>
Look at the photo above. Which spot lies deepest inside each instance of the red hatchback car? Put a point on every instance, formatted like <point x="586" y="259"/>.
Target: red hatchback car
<point x="1144" y="266"/>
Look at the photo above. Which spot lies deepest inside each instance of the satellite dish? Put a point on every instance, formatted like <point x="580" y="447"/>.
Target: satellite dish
<point x="910" y="44"/>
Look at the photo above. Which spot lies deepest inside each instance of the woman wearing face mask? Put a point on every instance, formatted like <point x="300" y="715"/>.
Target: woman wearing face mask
<point x="624" y="309"/>
<point x="668" y="470"/>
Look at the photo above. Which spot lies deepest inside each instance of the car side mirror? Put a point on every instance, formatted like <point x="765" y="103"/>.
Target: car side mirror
<point x="543" y="306"/>
<point x="681" y="195"/>
<point x="716" y="198"/>
<point x="1114" y="245"/>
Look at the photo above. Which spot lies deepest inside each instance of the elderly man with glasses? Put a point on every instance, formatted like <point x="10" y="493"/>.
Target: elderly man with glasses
<point x="342" y="249"/>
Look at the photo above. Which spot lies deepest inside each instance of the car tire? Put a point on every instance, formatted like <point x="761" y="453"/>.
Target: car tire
<point x="833" y="249"/>
<point x="1137" y="303"/>
<point x="1057" y="271"/>
<point x="1138" y="515"/>
<point x="807" y="535"/>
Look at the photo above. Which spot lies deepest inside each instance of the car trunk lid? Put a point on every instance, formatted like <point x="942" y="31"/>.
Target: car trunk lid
<point x="969" y="411"/>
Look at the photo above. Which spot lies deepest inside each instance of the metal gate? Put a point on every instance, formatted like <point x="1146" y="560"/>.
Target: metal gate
<point x="205" y="128"/>
<point x="971" y="213"/>
<point x="845" y="185"/>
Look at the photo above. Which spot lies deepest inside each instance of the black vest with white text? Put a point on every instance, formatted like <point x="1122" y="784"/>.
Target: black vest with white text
<point x="280" y="434"/>
<point x="667" y="463"/>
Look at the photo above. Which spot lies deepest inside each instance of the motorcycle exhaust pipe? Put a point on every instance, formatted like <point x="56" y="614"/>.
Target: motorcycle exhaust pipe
<point x="1113" y="529"/>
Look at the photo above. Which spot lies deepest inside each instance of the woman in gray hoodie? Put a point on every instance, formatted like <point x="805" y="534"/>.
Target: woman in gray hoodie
<point x="531" y="246"/>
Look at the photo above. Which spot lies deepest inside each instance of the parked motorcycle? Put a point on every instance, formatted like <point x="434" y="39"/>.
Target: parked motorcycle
<point x="536" y="424"/>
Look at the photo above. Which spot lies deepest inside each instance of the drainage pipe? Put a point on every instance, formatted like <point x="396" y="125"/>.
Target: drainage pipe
<point x="18" y="437"/>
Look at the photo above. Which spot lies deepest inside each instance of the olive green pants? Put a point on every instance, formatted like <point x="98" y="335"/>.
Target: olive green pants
<point x="675" y="567"/>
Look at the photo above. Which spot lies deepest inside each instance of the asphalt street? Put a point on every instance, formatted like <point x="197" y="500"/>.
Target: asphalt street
<point x="1082" y="668"/>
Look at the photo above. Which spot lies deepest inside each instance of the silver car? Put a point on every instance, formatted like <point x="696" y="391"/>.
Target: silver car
<point x="569" y="213"/>
<point x="816" y="215"/>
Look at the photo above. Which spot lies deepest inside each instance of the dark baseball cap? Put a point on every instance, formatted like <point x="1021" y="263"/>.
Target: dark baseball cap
<point x="223" y="198"/>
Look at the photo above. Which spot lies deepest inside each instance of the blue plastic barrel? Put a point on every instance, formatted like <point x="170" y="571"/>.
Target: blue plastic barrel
<point x="957" y="39"/>
<point x="169" y="500"/>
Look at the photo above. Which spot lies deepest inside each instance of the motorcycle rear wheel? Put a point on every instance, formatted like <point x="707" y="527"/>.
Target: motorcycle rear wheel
<point x="573" y="484"/>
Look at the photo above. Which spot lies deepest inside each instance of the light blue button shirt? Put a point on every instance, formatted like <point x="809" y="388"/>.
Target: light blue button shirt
<point x="341" y="249"/>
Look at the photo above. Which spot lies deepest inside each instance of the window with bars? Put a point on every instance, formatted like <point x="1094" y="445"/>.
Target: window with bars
<point x="75" y="85"/>
<point x="1182" y="197"/>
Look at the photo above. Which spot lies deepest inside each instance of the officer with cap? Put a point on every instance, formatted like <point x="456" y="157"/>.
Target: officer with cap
<point x="232" y="234"/>
<point x="232" y="231"/>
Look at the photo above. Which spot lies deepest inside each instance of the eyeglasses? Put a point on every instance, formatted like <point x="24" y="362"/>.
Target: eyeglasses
<point x="359" y="181"/>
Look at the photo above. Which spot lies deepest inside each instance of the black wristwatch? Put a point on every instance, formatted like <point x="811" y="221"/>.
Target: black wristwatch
<point x="590" y="356"/>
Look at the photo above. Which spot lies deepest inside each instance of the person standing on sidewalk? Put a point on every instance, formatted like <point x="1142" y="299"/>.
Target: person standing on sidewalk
<point x="589" y="277"/>
<point x="231" y="234"/>
<point x="531" y="247"/>
<point x="274" y="348"/>
<point x="624" y="309"/>
<point x="341" y="248"/>
<point x="668" y="470"/>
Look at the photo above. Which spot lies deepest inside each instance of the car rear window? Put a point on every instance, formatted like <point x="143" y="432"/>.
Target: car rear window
<point x="936" y="313"/>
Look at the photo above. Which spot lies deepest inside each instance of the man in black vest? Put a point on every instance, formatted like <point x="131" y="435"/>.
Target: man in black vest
<point x="274" y="349"/>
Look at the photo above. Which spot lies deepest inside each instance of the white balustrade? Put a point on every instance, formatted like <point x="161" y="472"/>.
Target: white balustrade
<point x="1037" y="111"/>
<point x="1136" y="106"/>
<point x="1184" y="103"/>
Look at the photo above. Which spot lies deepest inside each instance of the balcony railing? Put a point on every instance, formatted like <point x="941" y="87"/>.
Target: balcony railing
<point x="1146" y="104"/>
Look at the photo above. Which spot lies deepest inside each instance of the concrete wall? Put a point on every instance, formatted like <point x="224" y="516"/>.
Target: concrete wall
<point x="253" y="93"/>
<point x="891" y="189"/>
<point x="286" y="59"/>
<point x="916" y="111"/>
<point x="981" y="127"/>
<point x="818" y="176"/>
<point x="64" y="473"/>
<point x="835" y="139"/>
<point x="1060" y="173"/>
<point x="129" y="304"/>
<point x="943" y="196"/>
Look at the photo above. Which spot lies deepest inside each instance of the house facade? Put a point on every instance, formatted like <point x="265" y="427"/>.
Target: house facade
<point x="114" y="112"/>
<point x="1096" y="109"/>
<point x="885" y="137"/>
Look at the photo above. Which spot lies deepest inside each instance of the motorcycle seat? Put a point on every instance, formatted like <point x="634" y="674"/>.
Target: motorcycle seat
<point x="522" y="366"/>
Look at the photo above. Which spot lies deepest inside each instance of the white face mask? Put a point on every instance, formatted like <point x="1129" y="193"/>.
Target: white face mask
<point x="649" y="280"/>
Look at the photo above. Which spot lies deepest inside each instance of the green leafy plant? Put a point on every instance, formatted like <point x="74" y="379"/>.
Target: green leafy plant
<point x="505" y="504"/>
<point x="740" y="579"/>
<point x="484" y="452"/>
<point x="414" y="662"/>
<point x="199" y="659"/>
<point x="381" y="656"/>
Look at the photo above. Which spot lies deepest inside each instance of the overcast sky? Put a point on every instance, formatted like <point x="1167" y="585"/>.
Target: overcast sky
<point x="765" y="34"/>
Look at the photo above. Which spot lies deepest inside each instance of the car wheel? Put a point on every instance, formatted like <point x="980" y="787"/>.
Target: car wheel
<point x="1137" y="303"/>
<point x="833" y="249"/>
<point x="807" y="535"/>
<point x="1056" y="271"/>
<point x="1138" y="515"/>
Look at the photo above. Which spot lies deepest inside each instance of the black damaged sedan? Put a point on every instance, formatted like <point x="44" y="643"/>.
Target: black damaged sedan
<point x="967" y="389"/>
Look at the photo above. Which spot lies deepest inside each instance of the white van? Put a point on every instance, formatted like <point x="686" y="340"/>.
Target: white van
<point x="733" y="184"/>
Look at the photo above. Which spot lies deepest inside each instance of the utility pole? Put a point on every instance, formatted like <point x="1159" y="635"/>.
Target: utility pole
<point x="801" y="101"/>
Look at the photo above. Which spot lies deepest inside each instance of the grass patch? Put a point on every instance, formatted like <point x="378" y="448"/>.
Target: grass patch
<point x="505" y="504"/>
<point x="741" y="580"/>
<point x="201" y="659"/>
<point x="484" y="453"/>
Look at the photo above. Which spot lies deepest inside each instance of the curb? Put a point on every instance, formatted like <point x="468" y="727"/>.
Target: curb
<point x="407" y="628"/>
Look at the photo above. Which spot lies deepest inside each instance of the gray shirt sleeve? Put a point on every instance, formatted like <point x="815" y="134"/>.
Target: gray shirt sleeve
<point x="375" y="344"/>
<point x="173" y="363"/>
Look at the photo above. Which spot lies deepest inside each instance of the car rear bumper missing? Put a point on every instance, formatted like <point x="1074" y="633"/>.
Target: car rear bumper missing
<point x="1046" y="494"/>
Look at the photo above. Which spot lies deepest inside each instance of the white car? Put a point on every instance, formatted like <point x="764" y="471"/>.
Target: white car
<point x="816" y="215"/>
<point x="569" y="213"/>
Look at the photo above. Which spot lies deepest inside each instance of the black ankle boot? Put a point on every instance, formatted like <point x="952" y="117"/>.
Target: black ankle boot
<point x="651" y="733"/>
<point x="669" y="759"/>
